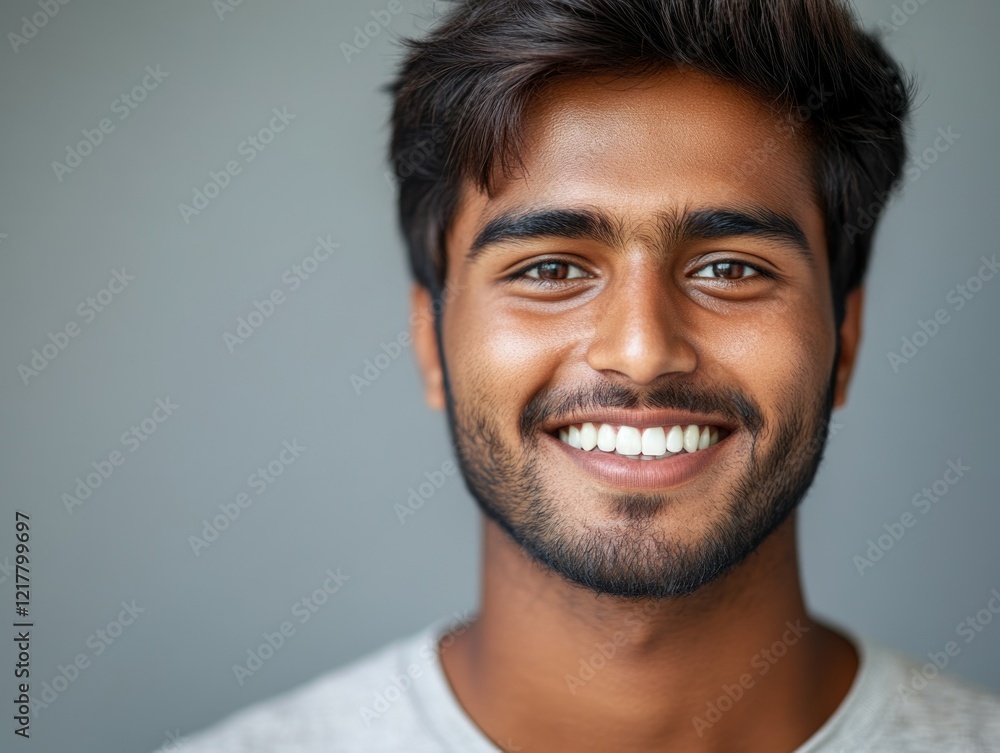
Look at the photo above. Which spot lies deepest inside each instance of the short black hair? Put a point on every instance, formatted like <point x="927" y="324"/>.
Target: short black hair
<point x="461" y="93"/>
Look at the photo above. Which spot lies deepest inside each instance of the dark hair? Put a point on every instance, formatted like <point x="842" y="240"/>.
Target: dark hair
<point x="462" y="91"/>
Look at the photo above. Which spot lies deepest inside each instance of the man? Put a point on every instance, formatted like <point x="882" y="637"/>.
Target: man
<point x="640" y="230"/>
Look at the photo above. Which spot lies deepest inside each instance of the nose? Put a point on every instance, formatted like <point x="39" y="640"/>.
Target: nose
<point x="640" y="332"/>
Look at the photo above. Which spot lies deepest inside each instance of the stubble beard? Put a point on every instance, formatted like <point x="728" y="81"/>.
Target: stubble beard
<point x="635" y="558"/>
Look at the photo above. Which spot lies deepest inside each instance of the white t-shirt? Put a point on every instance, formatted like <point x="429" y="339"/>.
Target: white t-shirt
<point x="398" y="700"/>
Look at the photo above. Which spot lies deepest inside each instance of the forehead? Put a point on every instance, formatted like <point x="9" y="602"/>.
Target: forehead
<point x="636" y="147"/>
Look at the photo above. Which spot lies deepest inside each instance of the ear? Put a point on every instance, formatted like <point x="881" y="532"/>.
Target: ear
<point x="425" y="345"/>
<point x="850" y="338"/>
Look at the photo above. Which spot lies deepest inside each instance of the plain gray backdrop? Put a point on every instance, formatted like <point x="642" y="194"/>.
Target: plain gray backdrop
<point x="223" y="69"/>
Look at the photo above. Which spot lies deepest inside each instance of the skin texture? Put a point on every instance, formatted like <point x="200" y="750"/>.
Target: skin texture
<point x="636" y="326"/>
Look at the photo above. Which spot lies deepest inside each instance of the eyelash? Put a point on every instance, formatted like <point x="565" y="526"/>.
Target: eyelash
<point x="762" y="273"/>
<point x="522" y="273"/>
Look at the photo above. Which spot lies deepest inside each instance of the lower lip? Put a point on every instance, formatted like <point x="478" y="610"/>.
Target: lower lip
<point x="615" y="470"/>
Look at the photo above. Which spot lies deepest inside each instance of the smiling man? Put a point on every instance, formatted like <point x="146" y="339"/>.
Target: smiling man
<point x="639" y="242"/>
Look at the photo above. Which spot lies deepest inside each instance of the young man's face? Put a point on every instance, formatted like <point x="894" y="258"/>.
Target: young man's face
<point x="683" y="281"/>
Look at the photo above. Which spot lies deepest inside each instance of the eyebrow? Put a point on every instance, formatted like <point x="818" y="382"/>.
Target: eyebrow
<point x="573" y="224"/>
<point x="671" y="228"/>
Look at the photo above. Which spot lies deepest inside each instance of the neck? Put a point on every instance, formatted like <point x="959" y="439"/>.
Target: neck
<point x="548" y="665"/>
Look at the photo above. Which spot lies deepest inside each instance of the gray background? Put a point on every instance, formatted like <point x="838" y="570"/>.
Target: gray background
<point x="170" y="671"/>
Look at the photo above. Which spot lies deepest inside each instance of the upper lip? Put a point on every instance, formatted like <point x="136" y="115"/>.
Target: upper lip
<point x="640" y="419"/>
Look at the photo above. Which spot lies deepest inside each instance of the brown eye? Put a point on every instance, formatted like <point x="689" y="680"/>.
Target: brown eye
<point x="553" y="270"/>
<point x="728" y="270"/>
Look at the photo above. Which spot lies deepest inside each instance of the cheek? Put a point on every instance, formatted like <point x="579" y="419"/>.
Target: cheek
<point x="770" y="355"/>
<point x="501" y="357"/>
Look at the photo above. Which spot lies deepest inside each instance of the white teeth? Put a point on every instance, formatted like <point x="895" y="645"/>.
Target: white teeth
<point x="629" y="441"/>
<point x="654" y="441"/>
<point x="651" y="443"/>
<point x="675" y="439"/>
<point x="704" y="438"/>
<point x="691" y="438"/>
<point x="607" y="438"/>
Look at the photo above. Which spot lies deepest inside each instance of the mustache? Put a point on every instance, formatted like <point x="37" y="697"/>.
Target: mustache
<point x="728" y="402"/>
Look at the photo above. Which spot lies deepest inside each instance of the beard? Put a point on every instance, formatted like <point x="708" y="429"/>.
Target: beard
<point x="634" y="558"/>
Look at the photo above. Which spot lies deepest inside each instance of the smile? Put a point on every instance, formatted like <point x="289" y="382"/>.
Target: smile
<point x="649" y="443"/>
<point x="641" y="450"/>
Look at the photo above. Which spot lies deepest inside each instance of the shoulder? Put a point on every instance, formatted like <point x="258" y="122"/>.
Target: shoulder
<point x="928" y="708"/>
<point x="364" y="703"/>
